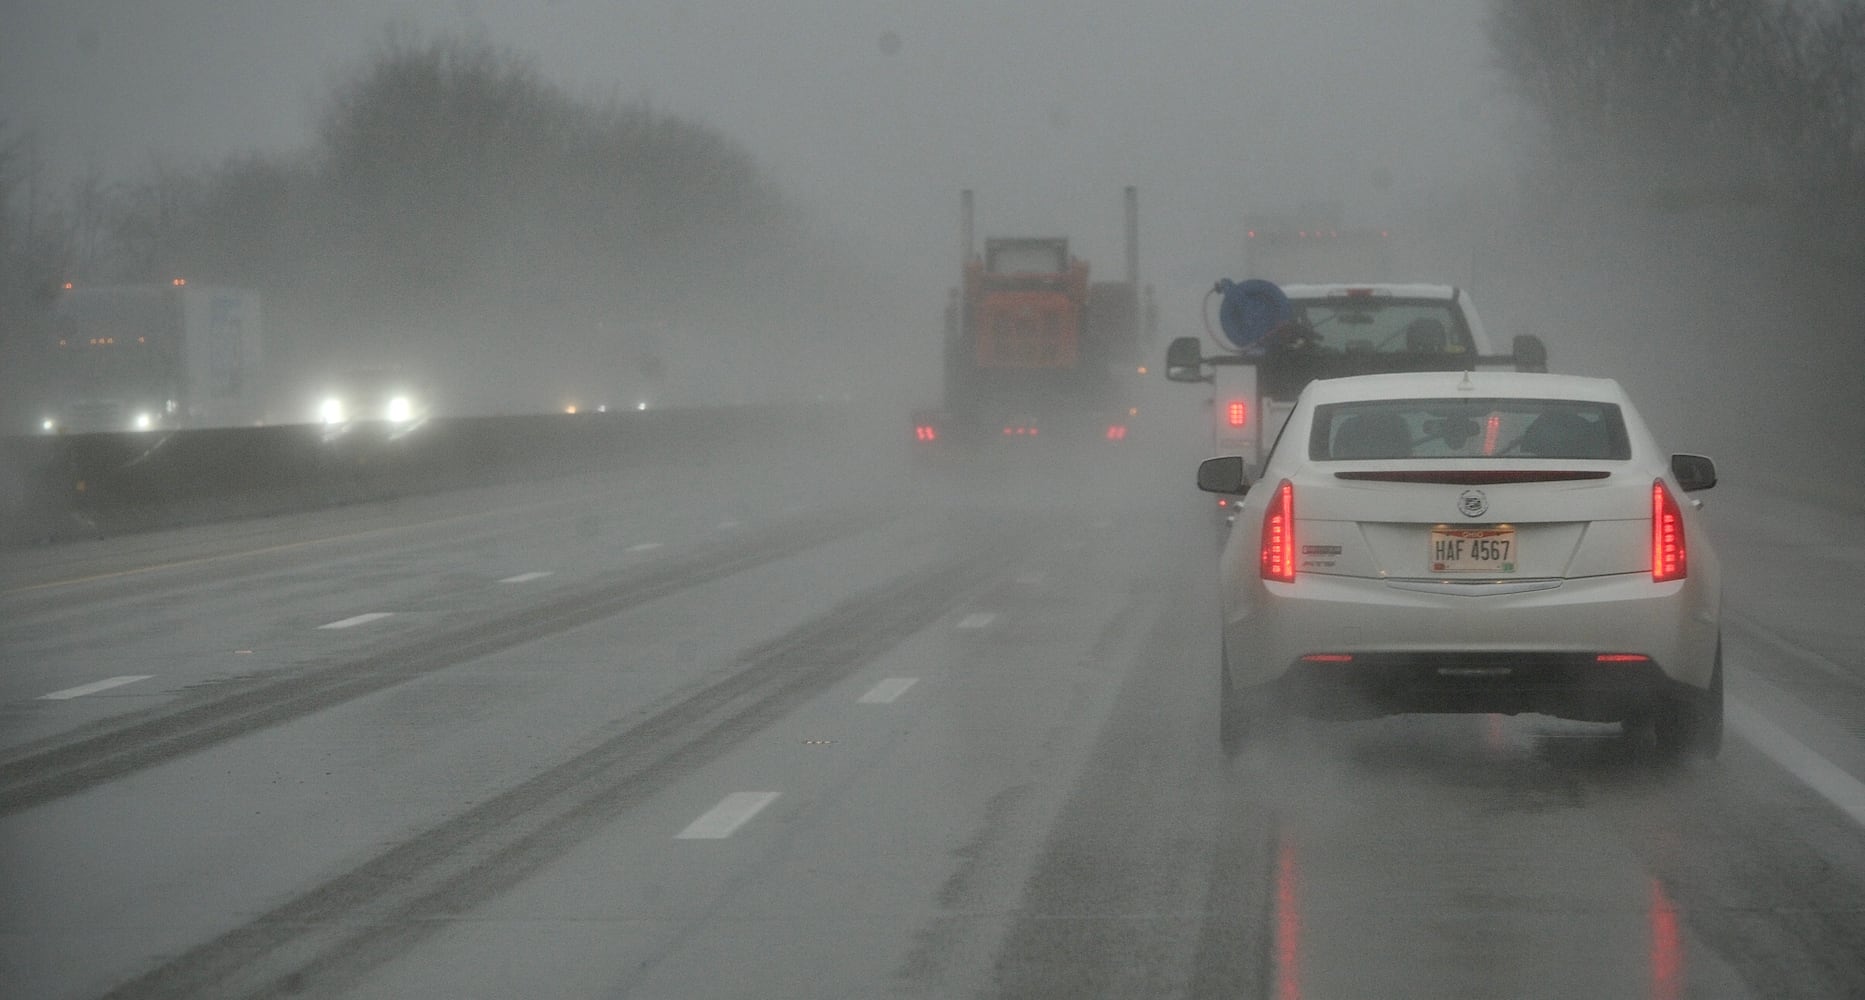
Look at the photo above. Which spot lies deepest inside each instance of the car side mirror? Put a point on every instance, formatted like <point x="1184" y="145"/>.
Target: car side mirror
<point x="1531" y="355"/>
<point x="1185" y="361"/>
<point x="1693" y="472"/>
<point x="1223" y="475"/>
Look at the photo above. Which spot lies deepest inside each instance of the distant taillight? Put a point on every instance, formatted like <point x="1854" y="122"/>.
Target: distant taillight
<point x="1116" y="432"/>
<point x="926" y="432"/>
<point x="1668" y="557"/>
<point x="1236" y="412"/>
<point x="1279" y="535"/>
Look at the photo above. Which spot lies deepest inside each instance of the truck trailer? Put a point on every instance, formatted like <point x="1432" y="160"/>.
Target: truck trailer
<point x="150" y="357"/>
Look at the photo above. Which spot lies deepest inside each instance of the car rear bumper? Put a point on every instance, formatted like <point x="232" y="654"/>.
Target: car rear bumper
<point x="1469" y="649"/>
<point x="1568" y="685"/>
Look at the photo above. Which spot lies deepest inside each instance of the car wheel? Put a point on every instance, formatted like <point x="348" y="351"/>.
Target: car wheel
<point x="1691" y="725"/>
<point x="1232" y="725"/>
<point x="1243" y="716"/>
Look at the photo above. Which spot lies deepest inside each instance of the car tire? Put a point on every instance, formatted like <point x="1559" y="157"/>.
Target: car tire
<point x="1232" y="726"/>
<point x="1246" y="716"/>
<point x="1691" y="725"/>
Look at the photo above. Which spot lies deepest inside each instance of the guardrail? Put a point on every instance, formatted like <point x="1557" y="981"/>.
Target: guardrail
<point x="59" y="488"/>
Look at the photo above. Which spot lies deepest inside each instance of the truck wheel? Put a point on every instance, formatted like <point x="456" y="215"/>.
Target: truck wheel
<point x="1691" y="725"/>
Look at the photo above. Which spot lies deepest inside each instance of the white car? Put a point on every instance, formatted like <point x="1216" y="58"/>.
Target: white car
<point x="1471" y="542"/>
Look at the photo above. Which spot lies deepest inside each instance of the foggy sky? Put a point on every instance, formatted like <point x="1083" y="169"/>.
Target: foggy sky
<point x="1045" y="107"/>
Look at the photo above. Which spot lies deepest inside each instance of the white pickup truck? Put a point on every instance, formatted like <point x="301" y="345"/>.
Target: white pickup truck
<point x="1329" y="331"/>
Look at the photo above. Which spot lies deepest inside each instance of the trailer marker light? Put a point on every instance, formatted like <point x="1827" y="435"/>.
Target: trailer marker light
<point x="1236" y="412"/>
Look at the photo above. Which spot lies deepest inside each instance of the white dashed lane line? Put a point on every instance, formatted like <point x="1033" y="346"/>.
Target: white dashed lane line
<point x="644" y="547"/>
<point x="527" y="577"/>
<point x="977" y="619"/>
<point x="93" y="687"/>
<point x="887" y="690"/>
<point x="1823" y="776"/>
<point x="356" y="620"/>
<point x="724" y="819"/>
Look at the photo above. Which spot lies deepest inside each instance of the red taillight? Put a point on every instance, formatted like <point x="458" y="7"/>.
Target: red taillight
<point x="1116" y="432"/>
<point x="1328" y="658"/>
<point x="1622" y="658"/>
<point x="1668" y="558"/>
<point x="1236" y="412"/>
<point x="926" y="433"/>
<point x="1279" y="535"/>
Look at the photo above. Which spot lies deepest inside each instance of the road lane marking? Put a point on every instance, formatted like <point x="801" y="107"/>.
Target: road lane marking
<point x="644" y="547"/>
<point x="93" y="687"/>
<point x="356" y="620"/>
<point x="977" y="619"/>
<point x="1800" y="760"/>
<point x="527" y="577"/>
<point x="887" y="690"/>
<point x="724" y="819"/>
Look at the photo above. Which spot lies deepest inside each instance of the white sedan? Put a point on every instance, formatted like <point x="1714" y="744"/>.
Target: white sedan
<point x="1471" y="542"/>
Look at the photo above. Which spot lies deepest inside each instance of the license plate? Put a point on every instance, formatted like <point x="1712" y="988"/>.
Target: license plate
<point x="1473" y="550"/>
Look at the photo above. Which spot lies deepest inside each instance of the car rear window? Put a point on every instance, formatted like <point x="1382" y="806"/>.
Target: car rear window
<point x="1468" y="428"/>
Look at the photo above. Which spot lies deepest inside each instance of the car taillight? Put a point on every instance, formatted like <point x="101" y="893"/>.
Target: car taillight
<point x="1279" y="535"/>
<point x="1116" y="432"/>
<point x="1236" y="412"/>
<point x="1668" y="557"/>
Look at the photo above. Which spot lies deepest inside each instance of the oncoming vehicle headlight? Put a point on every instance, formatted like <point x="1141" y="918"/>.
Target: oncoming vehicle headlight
<point x="330" y="411"/>
<point x="48" y="425"/>
<point x="143" y="421"/>
<point x="400" y="410"/>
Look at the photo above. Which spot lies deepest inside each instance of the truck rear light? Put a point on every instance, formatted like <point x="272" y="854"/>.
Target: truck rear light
<point x="1236" y="412"/>
<point x="1117" y="432"/>
<point x="1668" y="556"/>
<point x="1278" y="551"/>
<point x="926" y="432"/>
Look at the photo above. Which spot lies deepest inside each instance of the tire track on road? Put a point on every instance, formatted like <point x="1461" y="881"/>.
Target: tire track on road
<point x="330" y="937"/>
<point x="70" y="763"/>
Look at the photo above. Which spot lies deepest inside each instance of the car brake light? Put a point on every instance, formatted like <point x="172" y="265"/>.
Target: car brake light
<point x="1668" y="556"/>
<point x="1278" y="555"/>
<point x="1236" y="412"/>
<point x="1116" y="432"/>
<point x="1328" y="658"/>
<point x="1622" y="658"/>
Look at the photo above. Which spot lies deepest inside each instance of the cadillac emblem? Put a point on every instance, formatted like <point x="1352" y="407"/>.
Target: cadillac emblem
<point x="1472" y="503"/>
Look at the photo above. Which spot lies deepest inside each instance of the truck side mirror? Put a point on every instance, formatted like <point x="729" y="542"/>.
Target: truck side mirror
<point x="1184" y="361"/>
<point x="1531" y="355"/>
<point x="1693" y="472"/>
<point x="1223" y="475"/>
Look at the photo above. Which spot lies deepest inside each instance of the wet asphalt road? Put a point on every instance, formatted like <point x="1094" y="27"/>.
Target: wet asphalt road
<point x="772" y="729"/>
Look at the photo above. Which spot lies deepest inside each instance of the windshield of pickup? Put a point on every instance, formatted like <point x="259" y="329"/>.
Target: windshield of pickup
<point x="1382" y="325"/>
<point x="1468" y="428"/>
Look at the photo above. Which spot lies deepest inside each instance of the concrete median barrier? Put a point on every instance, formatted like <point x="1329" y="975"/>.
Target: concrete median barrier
<point x="57" y="488"/>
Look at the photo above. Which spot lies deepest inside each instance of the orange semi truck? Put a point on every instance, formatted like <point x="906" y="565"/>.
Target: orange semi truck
<point x="1035" y="350"/>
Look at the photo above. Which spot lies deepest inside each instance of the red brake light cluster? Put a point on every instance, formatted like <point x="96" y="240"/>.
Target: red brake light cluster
<point x="1236" y="412"/>
<point x="1117" y="432"/>
<point x="926" y="432"/>
<point x="1668" y="556"/>
<point x="1278" y="554"/>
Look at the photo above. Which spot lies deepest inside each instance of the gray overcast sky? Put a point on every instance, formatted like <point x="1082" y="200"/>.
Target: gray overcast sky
<point x="1045" y="107"/>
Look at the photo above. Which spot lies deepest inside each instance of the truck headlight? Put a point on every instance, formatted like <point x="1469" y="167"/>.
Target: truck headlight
<point x="143" y="421"/>
<point x="400" y="410"/>
<point x="330" y="411"/>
